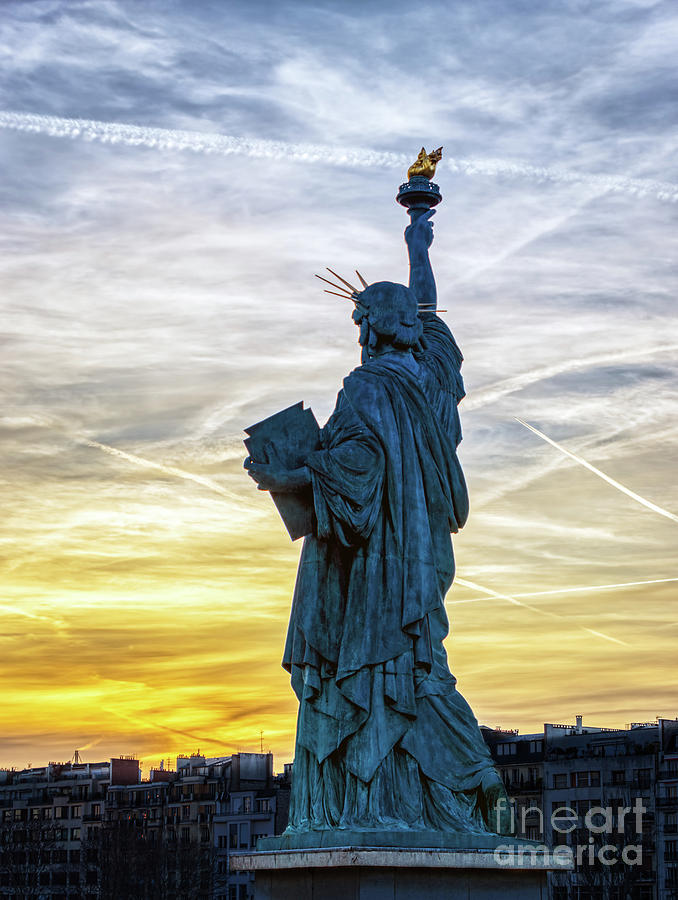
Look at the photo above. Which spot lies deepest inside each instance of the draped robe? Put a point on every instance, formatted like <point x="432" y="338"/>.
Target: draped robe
<point x="384" y="739"/>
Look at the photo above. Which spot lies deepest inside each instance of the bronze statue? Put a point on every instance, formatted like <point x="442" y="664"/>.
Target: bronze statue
<point x="385" y="742"/>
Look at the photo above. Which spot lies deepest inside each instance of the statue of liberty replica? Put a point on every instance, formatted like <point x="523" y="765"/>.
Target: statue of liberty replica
<point x="388" y="753"/>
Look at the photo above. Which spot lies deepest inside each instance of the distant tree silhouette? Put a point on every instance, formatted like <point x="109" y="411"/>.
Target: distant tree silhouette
<point x="130" y="865"/>
<point x="29" y="851"/>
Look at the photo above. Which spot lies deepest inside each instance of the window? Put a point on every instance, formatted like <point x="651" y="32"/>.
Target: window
<point x="671" y="851"/>
<point x="59" y="812"/>
<point x="536" y="746"/>
<point x="186" y="811"/>
<point x="560" y="781"/>
<point x="264" y="805"/>
<point x="584" y="779"/>
<point x="247" y="804"/>
<point x="76" y="812"/>
<point x="75" y="834"/>
<point x="507" y="749"/>
<point x="233" y="836"/>
<point x="618" y="776"/>
<point x="642" y="777"/>
<point x="96" y="809"/>
<point x="244" y="835"/>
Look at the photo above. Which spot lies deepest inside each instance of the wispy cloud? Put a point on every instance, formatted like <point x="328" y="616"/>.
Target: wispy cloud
<point x="586" y="589"/>
<point x="493" y="392"/>
<point x="615" y="484"/>
<point x="166" y="470"/>
<point x="355" y="157"/>
<point x="489" y="592"/>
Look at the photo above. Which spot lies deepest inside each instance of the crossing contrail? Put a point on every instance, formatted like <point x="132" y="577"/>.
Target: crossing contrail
<point x="511" y="599"/>
<point x="149" y="723"/>
<point x="168" y="470"/>
<point x="606" y="637"/>
<point x="596" y="587"/>
<point x="352" y="157"/>
<point x="611" y="481"/>
<point x="498" y="390"/>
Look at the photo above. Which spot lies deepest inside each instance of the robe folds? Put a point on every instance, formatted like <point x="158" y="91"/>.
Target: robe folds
<point x="384" y="739"/>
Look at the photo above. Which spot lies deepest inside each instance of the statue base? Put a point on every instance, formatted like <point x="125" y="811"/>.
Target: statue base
<point x="510" y="869"/>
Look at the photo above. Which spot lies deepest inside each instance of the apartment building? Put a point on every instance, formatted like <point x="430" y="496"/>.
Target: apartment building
<point x="610" y="795"/>
<point x="95" y="831"/>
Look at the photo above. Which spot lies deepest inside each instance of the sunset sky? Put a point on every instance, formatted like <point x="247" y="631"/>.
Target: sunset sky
<point x="157" y="297"/>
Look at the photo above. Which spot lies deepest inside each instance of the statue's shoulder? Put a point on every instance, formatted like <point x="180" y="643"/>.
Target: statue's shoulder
<point x="364" y="386"/>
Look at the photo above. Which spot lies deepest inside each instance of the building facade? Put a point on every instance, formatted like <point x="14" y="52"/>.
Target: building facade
<point x="609" y="795"/>
<point x="97" y="830"/>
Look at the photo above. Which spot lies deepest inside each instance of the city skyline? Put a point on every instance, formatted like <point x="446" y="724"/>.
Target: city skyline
<point x="158" y="297"/>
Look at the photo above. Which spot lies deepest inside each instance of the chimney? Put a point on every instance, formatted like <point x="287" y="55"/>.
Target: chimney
<point x="579" y="726"/>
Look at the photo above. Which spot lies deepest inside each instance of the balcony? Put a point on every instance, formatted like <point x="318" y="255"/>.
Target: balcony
<point x="670" y="803"/>
<point x="524" y="787"/>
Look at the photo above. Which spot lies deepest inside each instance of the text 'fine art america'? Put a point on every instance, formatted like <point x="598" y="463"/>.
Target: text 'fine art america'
<point x="385" y="742"/>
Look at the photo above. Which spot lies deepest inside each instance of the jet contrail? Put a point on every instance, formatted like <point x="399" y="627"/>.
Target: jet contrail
<point x="147" y="723"/>
<point x="490" y="593"/>
<point x="168" y="470"/>
<point x="499" y="389"/>
<point x="606" y="637"/>
<point x="15" y="611"/>
<point x="587" y="465"/>
<point x="596" y="587"/>
<point x="93" y="743"/>
<point x="354" y="157"/>
<point x="544" y="612"/>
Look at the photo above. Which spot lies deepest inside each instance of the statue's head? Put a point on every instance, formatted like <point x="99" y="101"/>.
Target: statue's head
<point x="386" y="314"/>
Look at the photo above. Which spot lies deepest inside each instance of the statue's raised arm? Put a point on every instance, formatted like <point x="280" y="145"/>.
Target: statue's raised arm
<point x="419" y="237"/>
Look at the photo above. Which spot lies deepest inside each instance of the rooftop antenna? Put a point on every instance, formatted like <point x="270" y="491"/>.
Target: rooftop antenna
<point x="261" y="741"/>
<point x="76" y="758"/>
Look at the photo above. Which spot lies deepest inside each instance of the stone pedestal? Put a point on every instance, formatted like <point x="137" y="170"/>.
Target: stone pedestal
<point x="509" y="871"/>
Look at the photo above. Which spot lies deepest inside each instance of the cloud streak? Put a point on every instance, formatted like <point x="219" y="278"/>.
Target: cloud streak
<point x="356" y="157"/>
<point x="493" y="392"/>
<point x="167" y="470"/>
<point x="587" y="465"/>
<point x="596" y="587"/>
<point x="543" y="612"/>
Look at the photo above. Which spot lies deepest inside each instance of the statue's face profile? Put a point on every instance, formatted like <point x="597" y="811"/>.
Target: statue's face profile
<point x="368" y="300"/>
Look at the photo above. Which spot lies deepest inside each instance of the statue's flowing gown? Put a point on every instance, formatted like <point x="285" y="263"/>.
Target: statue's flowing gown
<point x="384" y="739"/>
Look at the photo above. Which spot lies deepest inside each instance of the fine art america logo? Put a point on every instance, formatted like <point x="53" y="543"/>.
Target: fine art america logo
<point x="614" y="836"/>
